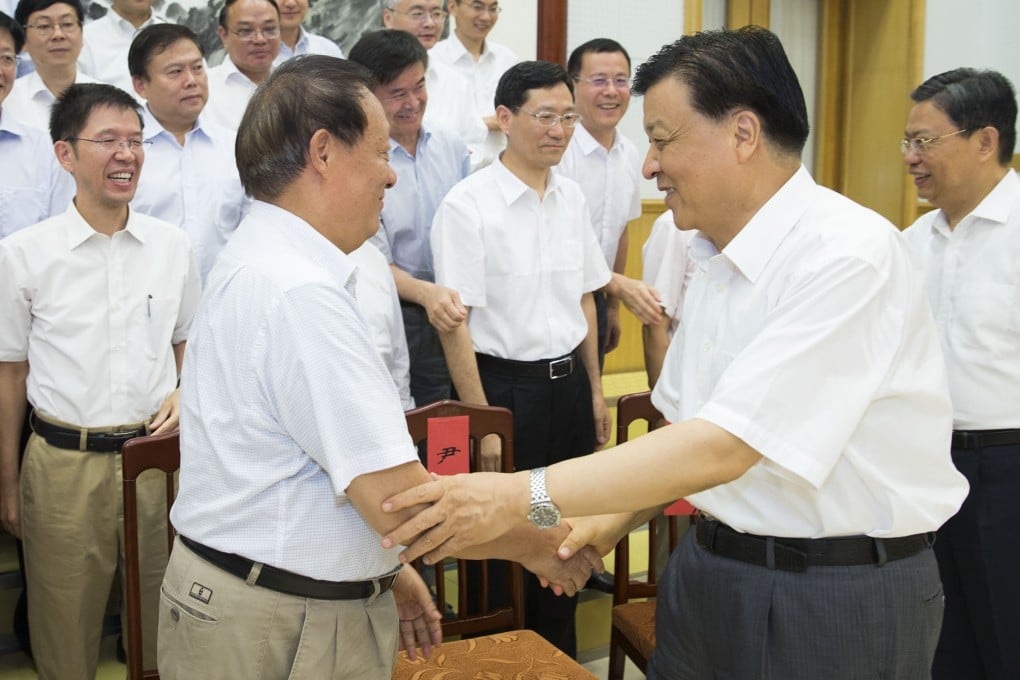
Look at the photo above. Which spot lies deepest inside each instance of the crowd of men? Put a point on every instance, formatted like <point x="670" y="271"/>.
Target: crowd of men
<point x="283" y="253"/>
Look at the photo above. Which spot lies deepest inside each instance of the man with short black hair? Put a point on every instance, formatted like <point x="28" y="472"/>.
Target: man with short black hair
<point x="250" y="33"/>
<point x="97" y="305"/>
<point x="958" y="146"/>
<point x="192" y="179"/>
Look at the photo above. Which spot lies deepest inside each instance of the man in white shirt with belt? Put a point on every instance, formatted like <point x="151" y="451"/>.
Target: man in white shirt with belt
<point x="97" y="305"/>
<point x="33" y="186"/>
<point x="515" y="241"/>
<point x="192" y="178"/>
<point x="106" y="41"/>
<point x="958" y="146"/>
<point x="53" y="39"/>
<point x="289" y="446"/>
<point x="250" y="33"/>
<point x="295" y="40"/>
<point x="810" y="408"/>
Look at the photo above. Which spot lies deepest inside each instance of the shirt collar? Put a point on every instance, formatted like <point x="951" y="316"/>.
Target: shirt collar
<point x="79" y="231"/>
<point x="309" y="243"/>
<point x="752" y="248"/>
<point x="423" y="139"/>
<point x="460" y="52"/>
<point x="9" y="126"/>
<point x="513" y="187"/>
<point x="153" y="128"/>
<point x="589" y="145"/>
<point x="996" y="206"/>
<point x="126" y="26"/>
<point x="231" y="72"/>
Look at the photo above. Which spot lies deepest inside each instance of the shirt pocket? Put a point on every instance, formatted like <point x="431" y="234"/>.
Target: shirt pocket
<point x="987" y="316"/>
<point x="159" y="316"/>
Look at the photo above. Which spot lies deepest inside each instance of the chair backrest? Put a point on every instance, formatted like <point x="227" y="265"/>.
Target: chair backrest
<point x="162" y="452"/>
<point x="473" y="575"/>
<point x="631" y="408"/>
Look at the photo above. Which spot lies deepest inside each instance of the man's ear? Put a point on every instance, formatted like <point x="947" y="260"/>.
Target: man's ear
<point x="66" y="155"/>
<point x="745" y="127"/>
<point x="503" y="116"/>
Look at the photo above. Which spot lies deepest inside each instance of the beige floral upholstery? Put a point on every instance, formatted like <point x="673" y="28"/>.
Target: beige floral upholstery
<point x="516" y="655"/>
<point x="636" y="620"/>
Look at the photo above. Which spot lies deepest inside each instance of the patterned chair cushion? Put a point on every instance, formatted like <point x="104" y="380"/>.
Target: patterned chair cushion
<point x="636" y="620"/>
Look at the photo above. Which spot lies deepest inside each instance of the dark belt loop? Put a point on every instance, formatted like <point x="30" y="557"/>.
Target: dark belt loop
<point x="711" y="527"/>
<point x="880" y="555"/>
<point x="770" y="552"/>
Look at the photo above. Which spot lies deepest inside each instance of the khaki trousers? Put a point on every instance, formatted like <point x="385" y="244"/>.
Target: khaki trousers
<point x="73" y="529"/>
<point x="212" y="625"/>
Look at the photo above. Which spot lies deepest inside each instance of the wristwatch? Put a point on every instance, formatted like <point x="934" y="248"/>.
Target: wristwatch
<point x="544" y="513"/>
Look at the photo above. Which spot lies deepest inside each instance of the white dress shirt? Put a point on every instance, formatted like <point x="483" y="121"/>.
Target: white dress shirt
<point x="229" y="92"/>
<point x="195" y="187"/>
<point x="284" y="401"/>
<point x="440" y="161"/>
<point x="609" y="180"/>
<point x="810" y="338"/>
<point x="666" y="267"/>
<point x="308" y="43"/>
<point x="377" y="299"/>
<point x="33" y="186"/>
<point x="105" y="45"/>
<point x="30" y="101"/>
<point x="96" y="316"/>
<point x="520" y="263"/>
<point x="482" y="77"/>
<point x="447" y="90"/>
<point x="973" y="274"/>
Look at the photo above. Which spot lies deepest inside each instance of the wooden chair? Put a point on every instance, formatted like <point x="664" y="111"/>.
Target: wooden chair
<point x="633" y="623"/>
<point x="162" y="452"/>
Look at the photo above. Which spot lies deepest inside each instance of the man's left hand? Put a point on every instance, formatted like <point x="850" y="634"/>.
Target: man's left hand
<point x="420" y="620"/>
<point x="169" y="415"/>
<point x="603" y="420"/>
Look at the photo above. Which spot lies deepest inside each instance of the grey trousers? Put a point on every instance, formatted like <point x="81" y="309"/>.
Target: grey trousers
<point x="723" y="619"/>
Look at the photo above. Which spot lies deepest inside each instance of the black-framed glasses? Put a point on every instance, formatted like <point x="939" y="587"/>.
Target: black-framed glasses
<point x="115" y="143"/>
<point x="919" y="145"/>
<point x="45" y="29"/>
<point x="602" y="82"/>
<point x="248" y="34"/>
<point x="549" y="119"/>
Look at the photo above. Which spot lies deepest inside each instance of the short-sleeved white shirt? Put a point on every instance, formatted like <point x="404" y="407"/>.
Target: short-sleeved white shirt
<point x="284" y="401"/>
<point x="520" y="263"/>
<point x="447" y="109"/>
<point x="973" y="274"/>
<point x="96" y="316"/>
<point x="33" y="186"/>
<point x="105" y="45"/>
<point x="308" y="43"/>
<point x="195" y="187"/>
<point x="229" y="92"/>
<point x="666" y="267"/>
<point x="810" y="338"/>
<point x="609" y="180"/>
<point x="30" y="100"/>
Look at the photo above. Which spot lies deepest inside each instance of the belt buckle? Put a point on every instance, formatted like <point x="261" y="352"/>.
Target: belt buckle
<point x="561" y="368"/>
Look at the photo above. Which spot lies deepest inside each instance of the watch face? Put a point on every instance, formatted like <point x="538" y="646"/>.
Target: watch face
<point x="544" y="516"/>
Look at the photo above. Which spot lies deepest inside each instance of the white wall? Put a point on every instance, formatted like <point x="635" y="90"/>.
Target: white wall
<point x="517" y="27"/>
<point x="979" y="34"/>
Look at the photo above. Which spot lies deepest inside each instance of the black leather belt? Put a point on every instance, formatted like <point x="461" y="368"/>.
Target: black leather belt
<point x="71" y="438"/>
<point x="550" y="369"/>
<point x="797" y="554"/>
<point x="283" y="581"/>
<point x="978" y="439"/>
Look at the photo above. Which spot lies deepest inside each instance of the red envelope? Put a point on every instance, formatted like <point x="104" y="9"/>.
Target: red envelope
<point x="448" y="445"/>
<point x="680" y="507"/>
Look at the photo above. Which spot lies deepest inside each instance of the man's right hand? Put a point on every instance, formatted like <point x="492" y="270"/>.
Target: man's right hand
<point x="444" y="308"/>
<point x="490" y="457"/>
<point x="10" y="509"/>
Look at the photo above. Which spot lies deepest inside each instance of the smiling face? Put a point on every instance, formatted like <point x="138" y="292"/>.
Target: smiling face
<point x="475" y="19"/>
<point x="529" y="144"/>
<point x="404" y="100"/>
<point x="602" y="108"/>
<point x="689" y="156"/>
<point x="404" y="17"/>
<point x="58" y="47"/>
<point x="175" y="85"/>
<point x="105" y="180"/>
<point x="253" y="57"/>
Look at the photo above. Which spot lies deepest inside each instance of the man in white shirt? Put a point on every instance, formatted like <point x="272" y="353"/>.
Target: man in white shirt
<point x="447" y="88"/>
<point x="515" y="241"/>
<point x="97" y="305"/>
<point x="106" y="41"/>
<point x="250" y="33"/>
<point x="958" y="146"/>
<point x="606" y="165"/>
<point x="295" y="40"/>
<point x="807" y="394"/>
<point x="481" y="62"/>
<point x="33" y="186"/>
<point x="192" y="178"/>
<point x="289" y="447"/>
<point x="53" y="39"/>
<point x="428" y="162"/>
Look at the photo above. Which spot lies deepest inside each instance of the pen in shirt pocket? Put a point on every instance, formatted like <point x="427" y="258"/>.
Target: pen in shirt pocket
<point x="148" y="305"/>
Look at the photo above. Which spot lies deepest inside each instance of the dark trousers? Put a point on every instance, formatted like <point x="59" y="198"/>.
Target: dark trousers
<point x="601" y="325"/>
<point x="553" y="421"/>
<point x="978" y="553"/>
<point x="718" y="618"/>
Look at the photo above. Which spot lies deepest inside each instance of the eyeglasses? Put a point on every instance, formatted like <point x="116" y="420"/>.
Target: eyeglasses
<point x="115" y="143"/>
<point x="420" y="15"/>
<point x="481" y="8"/>
<point x="548" y="118"/>
<point x="8" y="60"/>
<point x="248" y="34"/>
<point x="602" y="82"/>
<point x="45" y="30"/>
<point x="919" y="145"/>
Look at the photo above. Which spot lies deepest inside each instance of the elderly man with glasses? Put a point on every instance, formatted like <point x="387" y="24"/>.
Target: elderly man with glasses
<point x="250" y="33"/>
